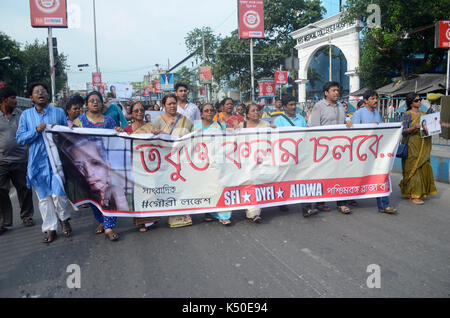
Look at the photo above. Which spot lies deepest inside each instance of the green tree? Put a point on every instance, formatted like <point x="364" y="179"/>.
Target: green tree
<point x="281" y="17"/>
<point x="406" y="32"/>
<point x="188" y="77"/>
<point x="37" y="65"/>
<point x="11" y="70"/>
<point x="194" y="44"/>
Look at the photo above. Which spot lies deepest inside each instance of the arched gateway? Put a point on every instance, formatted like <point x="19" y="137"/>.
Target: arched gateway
<point x="314" y="36"/>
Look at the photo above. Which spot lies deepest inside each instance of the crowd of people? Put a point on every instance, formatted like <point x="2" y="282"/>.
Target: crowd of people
<point x="24" y="160"/>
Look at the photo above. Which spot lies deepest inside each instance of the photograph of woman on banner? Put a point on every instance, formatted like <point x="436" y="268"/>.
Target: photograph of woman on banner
<point x="424" y="129"/>
<point x="253" y="114"/>
<point x="207" y="112"/>
<point x="173" y="123"/>
<point x="227" y="115"/>
<point x="112" y="91"/>
<point x="139" y="126"/>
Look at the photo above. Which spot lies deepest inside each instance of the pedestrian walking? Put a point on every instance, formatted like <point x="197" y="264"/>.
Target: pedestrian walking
<point x="53" y="202"/>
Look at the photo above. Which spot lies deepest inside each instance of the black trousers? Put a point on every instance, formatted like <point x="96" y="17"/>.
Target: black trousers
<point x="17" y="173"/>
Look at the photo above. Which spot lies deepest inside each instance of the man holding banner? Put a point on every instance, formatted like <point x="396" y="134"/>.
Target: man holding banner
<point x="53" y="202"/>
<point x="367" y="115"/>
<point x="329" y="111"/>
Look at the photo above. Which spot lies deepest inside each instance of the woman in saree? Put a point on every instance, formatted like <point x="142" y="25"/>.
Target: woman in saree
<point x="139" y="126"/>
<point x="253" y="115"/>
<point x="227" y="116"/>
<point x="173" y="123"/>
<point x="94" y="118"/>
<point x="418" y="180"/>
<point x="207" y="112"/>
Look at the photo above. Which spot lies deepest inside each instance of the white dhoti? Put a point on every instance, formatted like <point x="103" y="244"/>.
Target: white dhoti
<point x="52" y="208"/>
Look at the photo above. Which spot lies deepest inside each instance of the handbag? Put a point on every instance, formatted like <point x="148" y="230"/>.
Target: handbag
<point x="402" y="150"/>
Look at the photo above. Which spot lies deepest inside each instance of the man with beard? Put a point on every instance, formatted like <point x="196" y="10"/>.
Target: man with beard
<point x="52" y="198"/>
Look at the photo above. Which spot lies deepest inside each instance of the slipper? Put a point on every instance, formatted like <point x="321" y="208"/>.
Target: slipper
<point x="310" y="212"/>
<point x="225" y="222"/>
<point x="28" y="222"/>
<point x="256" y="219"/>
<point x="388" y="210"/>
<point x="111" y="235"/>
<point x="99" y="229"/>
<point x="49" y="237"/>
<point x="417" y="201"/>
<point x="66" y="228"/>
<point x="323" y="207"/>
<point x="344" y="209"/>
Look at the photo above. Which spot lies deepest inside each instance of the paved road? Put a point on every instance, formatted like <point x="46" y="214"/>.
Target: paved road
<point x="326" y="255"/>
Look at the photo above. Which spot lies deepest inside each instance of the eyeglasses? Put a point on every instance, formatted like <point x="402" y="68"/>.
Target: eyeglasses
<point x="37" y="91"/>
<point x="136" y="111"/>
<point x="209" y="111"/>
<point x="417" y="100"/>
<point x="92" y="101"/>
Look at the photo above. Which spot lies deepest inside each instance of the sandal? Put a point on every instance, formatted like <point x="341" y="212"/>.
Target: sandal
<point x="417" y="201"/>
<point x="225" y="222"/>
<point x="99" y="229"/>
<point x="66" y="228"/>
<point x="344" y="209"/>
<point x="111" y="235"/>
<point x="323" y="207"/>
<point x="208" y="217"/>
<point x="143" y="228"/>
<point x="389" y="210"/>
<point x="256" y="219"/>
<point x="28" y="222"/>
<point x="310" y="212"/>
<point x="49" y="237"/>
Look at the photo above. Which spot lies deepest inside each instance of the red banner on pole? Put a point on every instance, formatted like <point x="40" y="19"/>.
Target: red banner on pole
<point x="251" y="19"/>
<point x="157" y="86"/>
<point x="281" y="77"/>
<point x="205" y="74"/>
<point x="442" y="35"/>
<point x="266" y="88"/>
<point x="48" y="13"/>
<point x="96" y="79"/>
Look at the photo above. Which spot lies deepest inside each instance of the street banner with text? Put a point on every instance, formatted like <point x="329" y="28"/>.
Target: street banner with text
<point x="158" y="175"/>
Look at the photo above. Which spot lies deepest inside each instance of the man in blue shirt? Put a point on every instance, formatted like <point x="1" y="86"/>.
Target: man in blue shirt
<point x="53" y="201"/>
<point x="368" y="115"/>
<point x="288" y="119"/>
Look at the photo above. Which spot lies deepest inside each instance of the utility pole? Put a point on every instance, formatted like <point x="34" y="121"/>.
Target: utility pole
<point x="252" y="71"/>
<point x="95" y="38"/>
<point x="204" y="64"/>
<point x="52" y="63"/>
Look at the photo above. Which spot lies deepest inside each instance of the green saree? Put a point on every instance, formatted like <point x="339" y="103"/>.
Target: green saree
<point x="418" y="180"/>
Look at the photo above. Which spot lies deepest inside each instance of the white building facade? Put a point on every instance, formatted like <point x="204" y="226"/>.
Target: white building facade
<point x="326" y="32"/>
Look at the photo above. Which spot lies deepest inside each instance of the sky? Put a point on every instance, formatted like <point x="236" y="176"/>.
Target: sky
<point x="132" y="36"/>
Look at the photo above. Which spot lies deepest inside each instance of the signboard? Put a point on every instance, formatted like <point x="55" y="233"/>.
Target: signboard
<point x="251" y="19"/>
<point x="430" y="125"/>
<point x="120" y="90"/>
<point x="157" y="86"/>
<point x="442" y="35"/>
<point x="281" y="77"/>
<point x="168" y="81"/>
<point x="96" y="79"/>
<point x="48" y="13"/>
<point x="205" y="74"/>
<point x="266" y="89"/>
<point x="209" y="171"/>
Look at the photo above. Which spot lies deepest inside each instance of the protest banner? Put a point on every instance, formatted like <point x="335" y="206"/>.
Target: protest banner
<point x="120" y="90"/>
<point x="430" y="125"/>
<point x="213" y="171"/>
